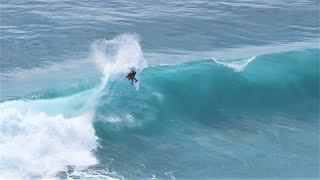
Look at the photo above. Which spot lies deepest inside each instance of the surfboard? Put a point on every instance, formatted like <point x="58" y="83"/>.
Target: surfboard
<point x="137" y="84"/>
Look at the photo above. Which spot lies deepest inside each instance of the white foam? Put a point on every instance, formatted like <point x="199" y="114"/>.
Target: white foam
<point x="158" y="95"/>
<point x="236" y="65"/>
<point x="113" y="119"/>
<point x="97" y="174"/>
<point x="125" y="118"/>
<point x="39" y="138"/>
<point x="34" y="144"/>
<point x="129" y="118"/>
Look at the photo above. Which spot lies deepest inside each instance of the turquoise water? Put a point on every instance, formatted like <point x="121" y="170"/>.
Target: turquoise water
<point x="226" y="91"/>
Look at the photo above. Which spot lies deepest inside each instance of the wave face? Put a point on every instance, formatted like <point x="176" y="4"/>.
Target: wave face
<point x="208" y="119"/>
<point x="255" y="117"/>
<point x="276" y="83"/>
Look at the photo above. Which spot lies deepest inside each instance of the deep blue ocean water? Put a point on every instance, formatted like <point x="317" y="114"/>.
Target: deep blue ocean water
<point x="228" y="90"/>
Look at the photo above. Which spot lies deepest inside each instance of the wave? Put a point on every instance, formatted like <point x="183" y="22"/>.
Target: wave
<point x="281" y="83"/>
<point x="270" y="107"/>
<point x="38" y="133"/>
<point x="43" y="135"/>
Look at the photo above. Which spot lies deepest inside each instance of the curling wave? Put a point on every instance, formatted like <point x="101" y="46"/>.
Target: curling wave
<point x="38" y="133"/>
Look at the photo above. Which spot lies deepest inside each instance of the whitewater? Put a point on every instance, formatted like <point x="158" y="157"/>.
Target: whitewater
<point x="62" y="124"/>
<point x="225" y="91"/>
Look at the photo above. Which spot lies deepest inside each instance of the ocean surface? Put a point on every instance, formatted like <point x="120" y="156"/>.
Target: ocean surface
<point x="228" y="89"/>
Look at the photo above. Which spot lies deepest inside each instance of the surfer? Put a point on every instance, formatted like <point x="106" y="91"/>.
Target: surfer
<point x="131" y="77"/>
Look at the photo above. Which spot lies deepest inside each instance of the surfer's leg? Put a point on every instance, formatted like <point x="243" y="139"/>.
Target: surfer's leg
<point x="136" y="80"/>
<point x="131" y="80"/>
